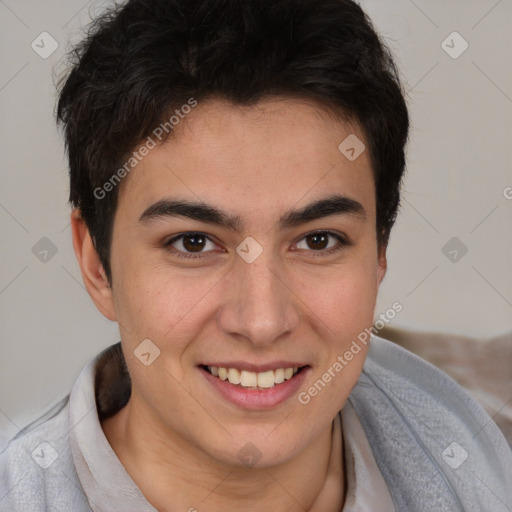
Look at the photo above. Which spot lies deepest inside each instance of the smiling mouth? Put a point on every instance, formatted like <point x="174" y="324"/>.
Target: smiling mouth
<point x="253" y="380"/>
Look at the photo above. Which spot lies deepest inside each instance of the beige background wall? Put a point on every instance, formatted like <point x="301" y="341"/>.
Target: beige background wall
<point x="459" y="184"/>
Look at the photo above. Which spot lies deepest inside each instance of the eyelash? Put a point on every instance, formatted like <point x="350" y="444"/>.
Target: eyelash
<point x="343" y="244"/>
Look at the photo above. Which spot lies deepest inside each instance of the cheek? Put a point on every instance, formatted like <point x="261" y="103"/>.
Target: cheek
<point x="345" y="300"/>
<point x="346" y="311"/>
<point x="139" y="292"/>
<point x="159" y="304"/>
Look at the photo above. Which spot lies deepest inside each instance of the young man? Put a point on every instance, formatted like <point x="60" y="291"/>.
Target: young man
<point x="235" y="172"/>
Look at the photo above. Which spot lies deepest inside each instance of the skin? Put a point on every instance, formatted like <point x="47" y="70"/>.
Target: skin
<point x="177" y="437"/>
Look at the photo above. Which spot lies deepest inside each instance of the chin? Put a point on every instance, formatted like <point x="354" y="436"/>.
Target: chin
<point x="258" y="451"/>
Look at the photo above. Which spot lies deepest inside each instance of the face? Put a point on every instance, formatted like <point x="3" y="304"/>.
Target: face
<point x="246" y="284"/>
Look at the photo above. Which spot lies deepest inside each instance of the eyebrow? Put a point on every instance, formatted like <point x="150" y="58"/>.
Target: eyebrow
<point x="333" y="205"/>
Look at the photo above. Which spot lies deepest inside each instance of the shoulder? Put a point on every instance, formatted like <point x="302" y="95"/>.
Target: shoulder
<point x="429" y="433"/>
<point x="36" y="467"/>
<point x="407" y="377"/>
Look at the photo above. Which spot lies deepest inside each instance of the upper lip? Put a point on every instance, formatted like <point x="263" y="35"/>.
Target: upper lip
<point x="256" y="368"/>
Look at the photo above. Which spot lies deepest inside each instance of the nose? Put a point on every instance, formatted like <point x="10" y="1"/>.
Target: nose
<point x="259" y="303"/>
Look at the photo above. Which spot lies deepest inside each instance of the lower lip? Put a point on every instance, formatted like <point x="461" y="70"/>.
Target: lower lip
<point x="257" y="399"/>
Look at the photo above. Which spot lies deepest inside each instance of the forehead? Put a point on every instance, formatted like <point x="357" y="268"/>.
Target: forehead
<point x="254" y="158"/>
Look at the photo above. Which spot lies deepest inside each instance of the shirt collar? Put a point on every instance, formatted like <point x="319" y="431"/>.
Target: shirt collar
<point x="107" y="485"/>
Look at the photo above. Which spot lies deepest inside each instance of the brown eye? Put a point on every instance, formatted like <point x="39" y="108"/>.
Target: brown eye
<point x="189" y="245"/>
<point x="320" y="242"/>
<point x="194" y="243"/>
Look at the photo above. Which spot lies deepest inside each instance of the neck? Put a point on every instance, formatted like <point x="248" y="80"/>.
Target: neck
<point x="174" y="475"/>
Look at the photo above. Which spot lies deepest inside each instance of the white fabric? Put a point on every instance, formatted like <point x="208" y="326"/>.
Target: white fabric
<point x="366" y="489"/>
<point x="107" y="485"/>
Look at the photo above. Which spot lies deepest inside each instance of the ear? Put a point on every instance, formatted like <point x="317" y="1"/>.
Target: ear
<point x="382" y="264"/>
<point x="93" y="275"/>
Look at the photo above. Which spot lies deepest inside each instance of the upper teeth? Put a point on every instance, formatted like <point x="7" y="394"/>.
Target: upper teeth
<point x="252" y="379"/>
